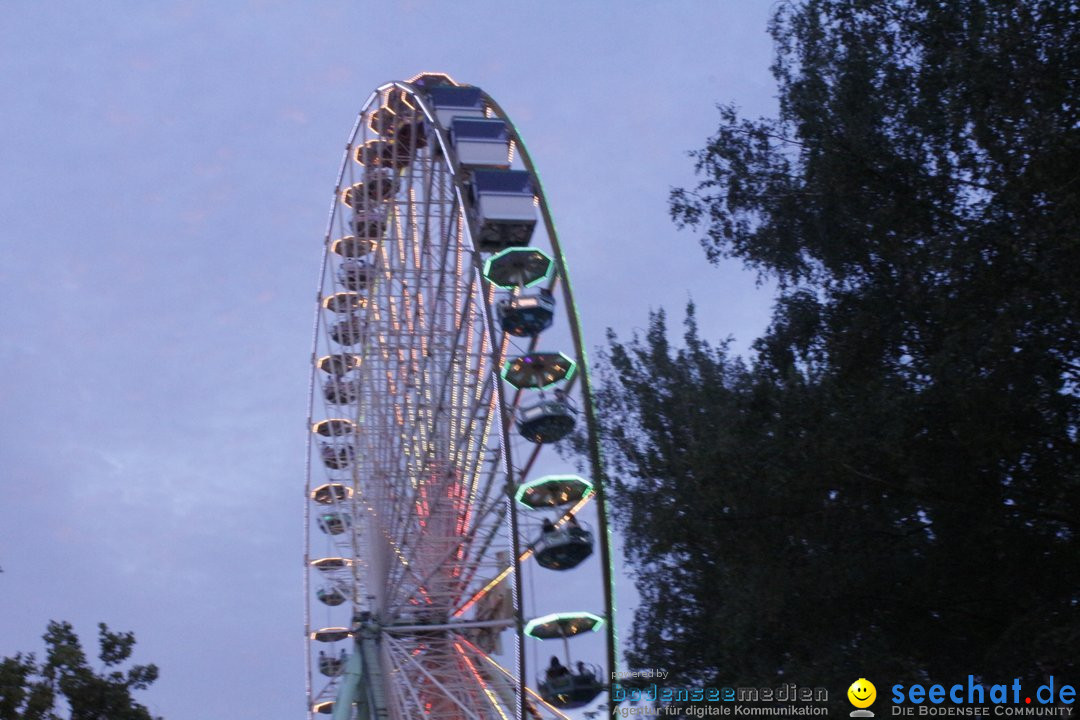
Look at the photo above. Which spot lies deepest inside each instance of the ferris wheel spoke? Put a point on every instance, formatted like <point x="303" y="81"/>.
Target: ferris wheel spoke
<point x="441" y="671"/>
<point x="408" y="702"/>
<point x="475" y="429"/>
<point x="492" y="512"/>
<point x="510" y="677"/>
<point x="506" y="568"/>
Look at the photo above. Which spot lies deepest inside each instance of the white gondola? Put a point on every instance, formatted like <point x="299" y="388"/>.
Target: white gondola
<point x="338" y="391"/>
<point x="347" y="332"/>
<point x="355" y="274"/>
<point x="335" y="523"/>
<point x="504" y="208"/>
<point x="331" y="666"/>
<point x="456" y="101"/>
<point x="337" y="457"/>
<point x="331" y="596"/>
<point x="481" y="142"/>
<point x="377" y="187"/>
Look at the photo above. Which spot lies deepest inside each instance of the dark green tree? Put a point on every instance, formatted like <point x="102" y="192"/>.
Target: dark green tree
<point x="30" y="690"/>
<point x="888" y="487"/>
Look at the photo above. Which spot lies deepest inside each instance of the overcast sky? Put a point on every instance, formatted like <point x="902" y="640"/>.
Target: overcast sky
<point x="167" y="169"/>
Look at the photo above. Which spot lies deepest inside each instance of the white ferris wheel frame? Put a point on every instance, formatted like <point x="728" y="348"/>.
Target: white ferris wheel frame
<point x="431" y="542"/>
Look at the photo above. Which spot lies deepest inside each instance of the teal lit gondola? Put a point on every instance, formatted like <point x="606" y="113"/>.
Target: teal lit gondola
<point x="538" y="370"/>
<point x="553" y="491"/>
<point x="518" y="267"/>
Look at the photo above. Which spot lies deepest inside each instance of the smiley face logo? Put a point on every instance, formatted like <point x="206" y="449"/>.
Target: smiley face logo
<point x="862" y="693"/>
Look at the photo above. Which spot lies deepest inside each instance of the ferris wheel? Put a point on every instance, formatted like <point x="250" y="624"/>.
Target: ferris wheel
<point x="457" y="566"/>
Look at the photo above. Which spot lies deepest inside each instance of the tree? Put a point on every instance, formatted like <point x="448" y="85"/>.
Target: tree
<point x="29" y="690"/>
<point x="889" y="485"/>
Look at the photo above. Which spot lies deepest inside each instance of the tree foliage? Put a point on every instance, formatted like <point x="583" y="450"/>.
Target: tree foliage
<point x="30" y="690"/>
<point x="889" y="485"/>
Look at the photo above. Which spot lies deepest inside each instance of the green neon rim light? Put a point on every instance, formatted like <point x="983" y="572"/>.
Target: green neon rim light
<point x="543" y="258"/>
<point x="537" y="364"/>
<point x="565" y="619"/>
<point x="552" y="479"/>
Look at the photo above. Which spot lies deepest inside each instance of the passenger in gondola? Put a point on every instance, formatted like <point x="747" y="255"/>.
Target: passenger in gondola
<point x="574" y="527"/>
<point x="556" y="669"/>
<point x="584" y="672"/>
<point x="547" y="527"/>
<point x="562" y="397"/>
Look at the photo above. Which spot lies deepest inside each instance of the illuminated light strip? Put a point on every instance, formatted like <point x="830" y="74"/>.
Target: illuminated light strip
<point x="510" y="675"/>
<point x="415" y="229"/>
<point x="422" y="73"/>
<point x="401" y="308"/>
<point x="502" y="353"/>
<point x="487" y="588"/>
<point x="454" y="416"/>
<point x="476" y="673"/>
<point x="471" y="478"/>
<point x="399" y="236"/>
<point x="574" y="510"/>
<point x="460" y="238"/>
